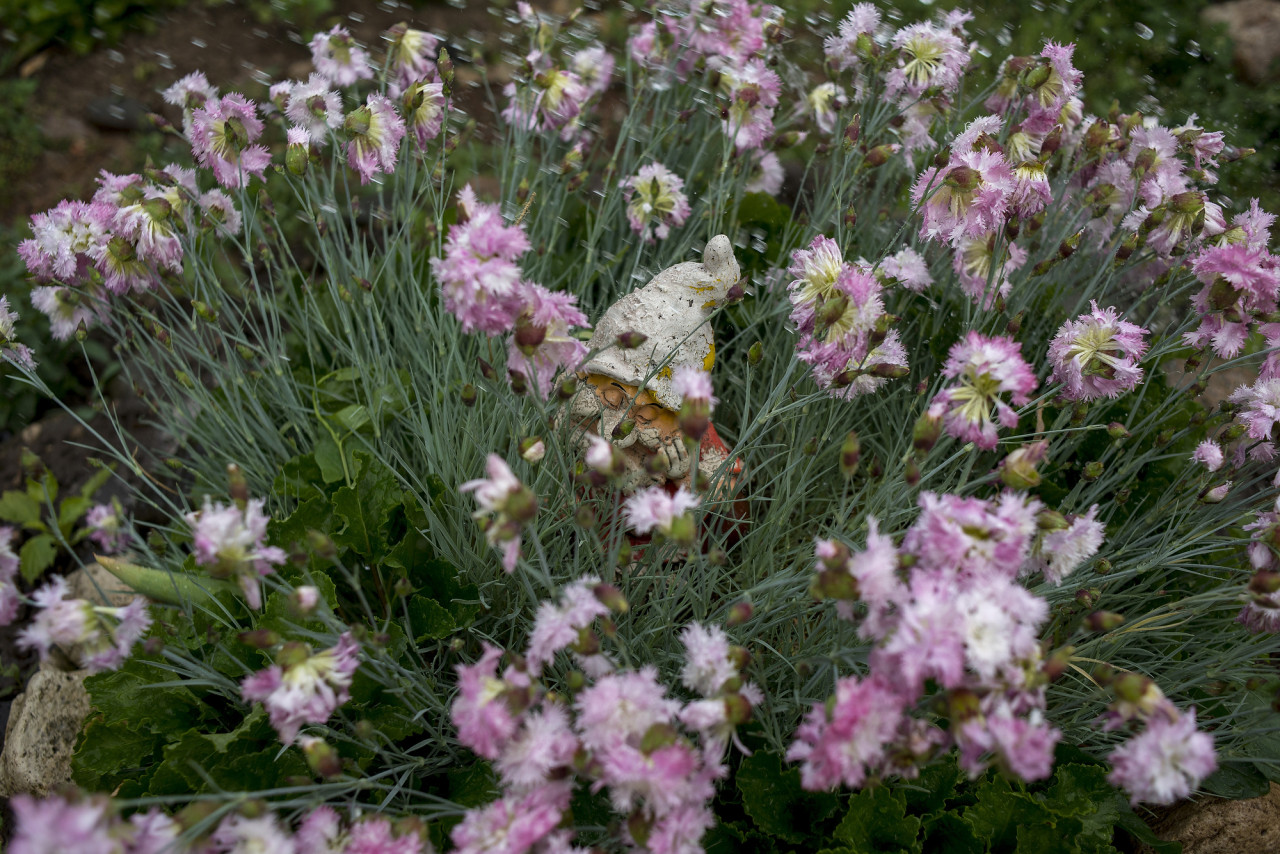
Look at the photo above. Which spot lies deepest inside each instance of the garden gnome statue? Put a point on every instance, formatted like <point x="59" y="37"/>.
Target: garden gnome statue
<point x="620" y="385"/>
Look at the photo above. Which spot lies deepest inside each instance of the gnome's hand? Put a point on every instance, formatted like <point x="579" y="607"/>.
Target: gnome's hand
<point x="674" y="457"/>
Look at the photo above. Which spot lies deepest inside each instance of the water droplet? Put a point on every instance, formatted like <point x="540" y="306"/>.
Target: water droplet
<point x="199" y="42"/>
<point x="1144" y="31"/>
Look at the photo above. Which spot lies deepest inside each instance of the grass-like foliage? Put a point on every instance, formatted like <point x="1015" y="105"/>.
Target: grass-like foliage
<point x="417" y="570"/>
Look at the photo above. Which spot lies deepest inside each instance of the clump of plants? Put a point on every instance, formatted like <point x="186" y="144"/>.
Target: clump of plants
<point x="952" y="551"/>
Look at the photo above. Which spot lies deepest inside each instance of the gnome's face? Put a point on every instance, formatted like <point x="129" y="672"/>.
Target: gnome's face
<point x="654" y="449"/>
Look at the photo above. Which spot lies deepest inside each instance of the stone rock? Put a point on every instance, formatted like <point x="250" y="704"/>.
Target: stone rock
<point x="1217" y="826"/>
<point x="86" y="584"/>
<point x="1254" y="26"/>
<point x="41" y="735"/>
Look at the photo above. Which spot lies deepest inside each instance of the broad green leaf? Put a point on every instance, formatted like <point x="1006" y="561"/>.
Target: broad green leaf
<point x="314" y="514"/>
<point x="1141" y="831"/>
<point x="1000" y="811"/>
<point x="436" y="579"/>
<point x="328" y="457"/>
<point x="428" y="620"/>
<point x="877" y="821"/>
<point x="773" y="798"/>
<point x="1061" y="837"/>
<point x="948" y="833"/>
<point x="70" y="512"/>
<point x="248" y="758"/>
<point x="36" y="556"/>
<point x="1082" y="792"/>
<point x="351" y="418"/>
<point x="473" y="785"/>
<point x="129" y="696"/>
<point x="301" y="478"/>
<point x="20" y="509"/>
<point x="365" y="509"/>
<point x="174" y="588"/>
<point x="107" y="753"/>
<point x="929" y="792"/>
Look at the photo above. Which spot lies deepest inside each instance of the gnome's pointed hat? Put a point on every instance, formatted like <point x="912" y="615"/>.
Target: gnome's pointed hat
<point x="671" y="310"/>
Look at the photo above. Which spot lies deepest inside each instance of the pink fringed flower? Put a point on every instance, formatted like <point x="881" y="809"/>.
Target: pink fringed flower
<point x="557" y="626"/>
<point x="375" y="130"/>
<point x="985" y="369"/>
<point x="106" y="528"/>
<point x="552" y="101"/>
<point x="338" y="58"/>
<point x="543" y="345"/>
<point x="478" y="274"/>
<point x="68" y="309"/>
<point x="1240" y="282"/>
<point x="843" y="744"/>
<point x="506" y="505"/>
<point x="65" y="239"/>
<point x="411" y="58"/>
<point x="512" y="824"/>
<point x="752" y="90"/>
<point x="1023" y="744"/>
<point x="56" y="824"/>
<point x="929" y="57"/>
<point x="304" y="687"/>
<point x="424" y="105"/>
<point x="972" y="537"/>
<point x="231" y="542"/>
<point x="908" y="268"/>
<point x="656" y="202"/>
<point x="967" y="198"/>
<point x="1097" y="355"/>
<point x="766" y="174"/>
<point x="1258" y="407"/>
<point x="594" y="67"/>
<point x="486" y="721"/>
<point x="223" y="137"/>
<point x="656" y="509"/>
<point x="237" y="833"/>
<point x="863" y="20"/>
<point x="1208" y="454"/>
<point x="1062" y="551"/>
<point x="315" y="107"/>
<point x="815" y="271"/>
<point x="101" y="645"/>
<point x="1165" y="762"/>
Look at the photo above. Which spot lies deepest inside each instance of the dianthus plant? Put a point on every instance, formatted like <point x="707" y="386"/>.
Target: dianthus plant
<point x="981" y="507"/>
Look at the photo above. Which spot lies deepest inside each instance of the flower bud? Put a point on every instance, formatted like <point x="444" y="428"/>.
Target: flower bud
<point x="925" y="434"/>
<point x="850" y="454"/>
<point x="487" y="371"/>
<point x="1051" y="520"/>
<point x="322" y="759"/>
<point x="444" y="64"/>
<point x="611" y="597"/>
<point x="879" y="156"/>
<point x="755" y="353"/>
<point x="1116" y="430"/>
<point x="533" y="449"/>
<point x="1104" y="621"/>
<point x="1092" y="470"/>
<point x="1018" y="469"/>
<point x="911" y="471"/>
<point x="518" y="381"/>
<point x="567" y="389"/>
<point x="631" y="339"/>
<point x="303" y="600"/>
<point x="585" y="517"/>
<point x="739" y="614"/>
<point x="468" y="395"/>
<point x="853" y="132"/>
<point x="259" y="638"/>
<point x="1215" y="495"/>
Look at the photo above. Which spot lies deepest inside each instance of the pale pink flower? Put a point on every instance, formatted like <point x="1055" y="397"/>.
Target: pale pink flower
<point x="1165" y="762"/>
<point x="55" y="825"/>
<point x="223" y="136"/>
<point x="845" y="743"/>
<point x="599" y="456"/>
<point x="513" y="824"/>
<point x="231" y="541"/>
<point x="1258" y="407"/>
<point x="485" y="720"/>
<point x="543" y="344"/>
<point x="985" y="369"/>
<point x="766" y="174"/>
<point x="971" y="536"/>
<point x="411" y="58"/>
<point x="842" y="49"/>
<point x="1209" y="454"/>
<point x="656" y="509"/>
<point x="693" y="383"/>
<point x="1097" y="355"/>
<point x="315" y="107"/>
<point x="304" y="687"/>
<point x="544" y="745"/>
<point x="622" y="706"/>
<point x="656" y="202"/>
<point x="506" y="505"/>
<point x="752" y="90"/>
<point x="339" y="59"/>
<point x="1023" y="743"/>
<point x="100" y="644"/>
<point x="824" y="103"/>
<point x="557" y="626"/>
<point x="424" y="106"/>
<point x="68" y="309"/>
<point x="930" y="57"/>
<point x="707" y="663"/>
<point x="478" y="275"/>
<point x="237" y="834"/>
<point x="10" y="598"/>
<point x="65" y="238"/>
<point x="551" y="101"/>
<point x="908" y="268"/>
<point x="221" y="211"/>
<point x="967" y="198"/>
<point x="1062" y="552"/>
<point x="594" y="67"/>
<point x="983" y="265"/>
<point x="153" y="832"/>
<point x="375" y="132"/>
